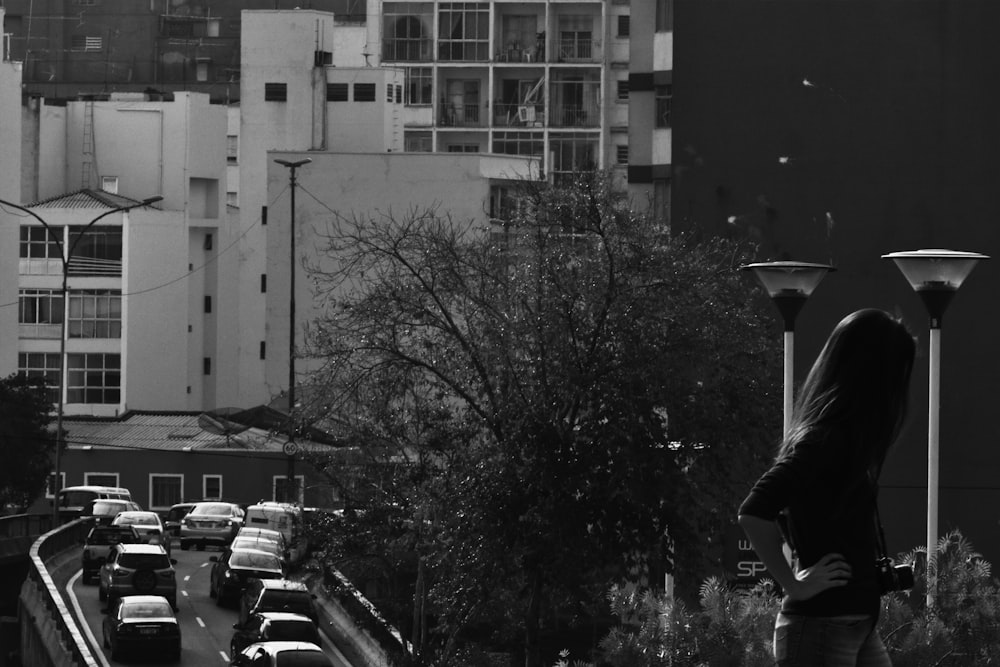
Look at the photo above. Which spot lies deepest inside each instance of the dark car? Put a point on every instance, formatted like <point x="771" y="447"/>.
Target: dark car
<point x="273" y="626"/>
<point x="172" y="519"/>
<point x="99" y="542"/>
<point x="233" y="570"/>
<point x="277" y="595"/>
<point x="142" y="624"/>
<point x="103" y="510"/>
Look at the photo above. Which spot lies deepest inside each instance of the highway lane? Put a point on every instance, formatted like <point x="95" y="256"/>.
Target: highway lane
<point x="206" y="628"/>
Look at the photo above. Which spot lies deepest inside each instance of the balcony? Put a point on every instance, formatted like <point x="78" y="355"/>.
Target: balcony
<point x="460" y="115"/>
<point x="577" y="50"/>
<point x="575" y="115"/>
<point x="518" y="115"/>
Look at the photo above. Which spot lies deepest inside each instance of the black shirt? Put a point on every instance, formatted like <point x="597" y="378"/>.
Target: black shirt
<point x="826" y="513"/>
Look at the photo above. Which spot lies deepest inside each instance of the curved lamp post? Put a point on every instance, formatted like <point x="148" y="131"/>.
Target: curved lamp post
<point x="65" y="255"/>
<point x="789" y="284"/>
<point x="936" y="276"/>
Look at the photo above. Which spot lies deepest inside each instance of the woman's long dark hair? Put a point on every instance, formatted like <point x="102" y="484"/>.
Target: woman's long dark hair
<point x="859" y="388"/>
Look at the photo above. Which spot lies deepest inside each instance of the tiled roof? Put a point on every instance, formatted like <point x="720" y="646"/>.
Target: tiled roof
<point x="85" y="198"/>
<point x="165" y="431"/>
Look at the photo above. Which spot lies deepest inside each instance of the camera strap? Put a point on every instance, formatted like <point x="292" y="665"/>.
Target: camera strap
<point x="879" y="533"/>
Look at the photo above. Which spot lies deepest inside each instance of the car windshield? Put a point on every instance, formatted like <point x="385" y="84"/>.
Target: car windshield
<point x="299" y="631"/>
<point x="108" y="508"/>
<point x="295" y="658"/>
<point x="213" y="509"/>
<point x="254" y="543"/>
<point x="144" y="561"/>
<point x="255" y="560"/>
<point x="287" y="601"/>
<point x="152" y="609"/>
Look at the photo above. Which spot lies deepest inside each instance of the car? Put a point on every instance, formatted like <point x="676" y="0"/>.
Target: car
<point x="143" y="569"/>
<point x="211" y="523"/>
<point x="259" y="544"/>
<point x="271" y="626"/>
<point x="144" y="624"/>
<point x="233" y="570"/>
<point x="287" y="518"/>
<point x="148" y="524"/>
<point x="277" y="595"/>
<point x="283" y="654"/>
<point x="103" y="510"/>
<point x="254" y="531"/>
<point x="99" y="541"/>
<point x="172" y="519"/>
<point x="73" y="500"/>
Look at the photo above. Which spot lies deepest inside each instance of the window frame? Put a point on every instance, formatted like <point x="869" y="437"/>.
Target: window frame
<point x="204" y="486"/>
<point x="166" y="475"/>
<point x="419" y="82"/>
<point x="300" y="481"/>
<point x="88" y="478"/>
<point x="110" y="325"/>
<point x="361" y="90"/>
<point x="44" y="371"/>
<point x="110" y="394"/>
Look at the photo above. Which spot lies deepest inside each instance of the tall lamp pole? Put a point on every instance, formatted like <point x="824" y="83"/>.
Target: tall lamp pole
<point x="789" y="284"/>
<point x="291" y="448"/>
<point x="65" y="255"/>
<point x="935" y="275"/>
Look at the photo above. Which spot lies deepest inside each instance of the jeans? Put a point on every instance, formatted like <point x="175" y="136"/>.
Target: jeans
<point x="828" y="641"/>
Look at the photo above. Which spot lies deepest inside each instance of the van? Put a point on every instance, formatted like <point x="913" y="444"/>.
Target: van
<point x="72" y="500"/>
<point x="285" y="518"/>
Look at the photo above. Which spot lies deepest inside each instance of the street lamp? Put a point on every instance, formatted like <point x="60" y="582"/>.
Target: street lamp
<point x="936" y="276"/>
<point x="291" y="448"/>
<point x="789" y="284"/>
<point x="65" y="255"/>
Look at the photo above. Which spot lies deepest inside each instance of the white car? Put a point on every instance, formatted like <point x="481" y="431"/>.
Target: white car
<point x="283" y="654"/>
<point x="211" y="522"/>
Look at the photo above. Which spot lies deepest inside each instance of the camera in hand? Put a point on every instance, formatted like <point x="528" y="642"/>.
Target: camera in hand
<point x="893" y="578"/>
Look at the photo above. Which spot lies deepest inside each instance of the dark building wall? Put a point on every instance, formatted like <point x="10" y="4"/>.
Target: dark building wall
<point x="838" y="131"/>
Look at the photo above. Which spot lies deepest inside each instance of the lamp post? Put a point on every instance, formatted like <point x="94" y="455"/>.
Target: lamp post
<point x="291" y="448"/>
<point x="935" y="275"/>
<point x="789" y="284"/>
<point x="65" y="255"/>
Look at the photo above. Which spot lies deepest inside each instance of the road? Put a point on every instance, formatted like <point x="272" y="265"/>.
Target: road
<point x="206" y="628"/>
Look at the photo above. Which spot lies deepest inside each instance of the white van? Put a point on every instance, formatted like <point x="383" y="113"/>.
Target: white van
<point x="71" y="500"/>
<point x="285" y="518"/>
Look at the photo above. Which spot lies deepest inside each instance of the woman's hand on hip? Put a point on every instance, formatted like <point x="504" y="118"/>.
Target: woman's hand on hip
<point x="828" y="572"/>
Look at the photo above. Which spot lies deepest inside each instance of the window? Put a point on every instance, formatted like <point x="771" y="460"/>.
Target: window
<point x="280" y="489"/>
<point x="42" y="367"/>
<point x="208" y="303"/>
<point x="623" y="25"/>
<point x="336" y="92"/>
<point x="463" y="148"/>
<point x="406" y="27"/>
<point x="275" y="92"/>
<point x="463" y="31"/>
<point x="519" y="40"/>
<point x="572" y="153"/>
<point x="201" y="69"/>
<point x="211" y="487"/>
<point x="165" y="490"/>
<point x="364" y="92"/>
<point x="621" y="153"/>
<point x="93" y="378"/>
<point x="263" y="350"/>
<point x="39" y="309"/>
<point x="96" y="251"/>
<point x="100" y="479"/>
<point x="664" y="15"/>
<point x="263" y="283"/>
<point x="109" y="184"/>
<point x="576" y="37"/>
<point x="418" y="86"/>
<point x="388" y="93"/>
<point x="518" y="143"/>
<point x="178" y="28"/>
<point x="232" y="147"/>
<point x="399" y="94"/>
<point x="95" y="314"/>
<point x="622" y="90"/>
<point x="232" y="199"/>
<point x="37" y="243"/>
<point x="206" y="365"/>
<point x="417" y="142"/>
<point x="663" y="96"/>
<point x="50" y="484"/>
<point x="85" y="43"/>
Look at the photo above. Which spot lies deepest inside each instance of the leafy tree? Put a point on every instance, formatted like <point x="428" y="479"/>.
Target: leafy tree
<point x="579" y="397"/>
<point x="26" y="446"/>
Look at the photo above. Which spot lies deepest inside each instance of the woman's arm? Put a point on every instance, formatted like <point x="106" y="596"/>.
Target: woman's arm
<point x="829" y="572"/>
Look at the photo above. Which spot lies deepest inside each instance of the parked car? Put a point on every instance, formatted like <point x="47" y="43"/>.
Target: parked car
<point x="104" y="510"/>
<point x="143" y="569"/>
<point x="273" y="626"/>
<point x="283" y="654"/>
<point x="277" y="595"/>
<point x="259" y="544"/>
<point x="211" y="523"/>
<point x="142" y="623"/>
<point x="101" y="540"/>
<point x="172" y="520"/>
<point x="233" y="570"/>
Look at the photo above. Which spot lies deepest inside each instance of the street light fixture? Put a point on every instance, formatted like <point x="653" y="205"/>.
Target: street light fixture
<point x="65" y="255"/>
<point x="935" y="275"/>
<point x="789" y="284"/>
<point x="290" y="447"/>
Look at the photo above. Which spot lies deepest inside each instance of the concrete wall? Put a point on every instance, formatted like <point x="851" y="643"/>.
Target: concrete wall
<point x="10" y="190"/>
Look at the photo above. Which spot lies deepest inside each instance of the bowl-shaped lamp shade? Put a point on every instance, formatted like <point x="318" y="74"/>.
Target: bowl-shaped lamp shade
<point x="789" y="284"/>
<point x="935" y="269"/>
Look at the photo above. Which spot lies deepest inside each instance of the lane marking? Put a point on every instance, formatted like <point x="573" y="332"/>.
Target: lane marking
<point x="206" y="564"/>
<point x="225" y="658"/>
<point x="200" y="622"/>
<point x="98" y="648"/>
<point x="187" y="578"/>
<point x="184" y="593"/>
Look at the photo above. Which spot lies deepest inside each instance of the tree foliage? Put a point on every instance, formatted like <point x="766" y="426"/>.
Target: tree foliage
<point x="26" y="446"/>
<point x="579" y="396"/>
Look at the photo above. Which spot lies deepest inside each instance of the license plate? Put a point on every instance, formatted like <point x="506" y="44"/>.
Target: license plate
<point x="147" y="631"/>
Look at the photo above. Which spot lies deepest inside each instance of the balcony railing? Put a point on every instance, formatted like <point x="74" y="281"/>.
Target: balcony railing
<point x="518" y="115"/>
<point x="578" y="50"/>
<point x="460" y="115"/>
<point x="575" y="115"/>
